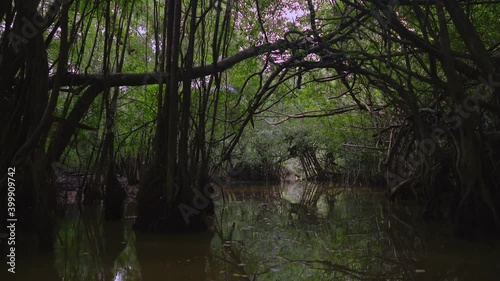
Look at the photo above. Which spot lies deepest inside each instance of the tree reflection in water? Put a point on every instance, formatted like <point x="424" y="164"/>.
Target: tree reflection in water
<point x="313" y="232"/>
<point x="275" y="232"/>
<point x="89" y="249"/>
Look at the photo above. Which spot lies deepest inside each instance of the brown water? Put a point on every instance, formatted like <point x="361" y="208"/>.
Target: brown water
<point x="268" y="232"/>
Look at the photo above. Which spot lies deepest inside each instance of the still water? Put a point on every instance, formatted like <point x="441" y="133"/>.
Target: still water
<point x="293" y="232"/>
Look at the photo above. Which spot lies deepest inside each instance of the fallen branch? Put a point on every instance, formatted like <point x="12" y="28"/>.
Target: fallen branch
<point x="311" y="114"/>
<point x="362" y="146"/>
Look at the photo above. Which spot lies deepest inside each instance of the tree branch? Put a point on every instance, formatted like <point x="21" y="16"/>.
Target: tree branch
<point x="149" y="78"/>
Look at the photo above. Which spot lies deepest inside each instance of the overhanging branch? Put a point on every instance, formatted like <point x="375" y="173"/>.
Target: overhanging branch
<point x="150" y="78"/>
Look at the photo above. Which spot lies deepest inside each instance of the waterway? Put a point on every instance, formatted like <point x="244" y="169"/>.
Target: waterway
<point x="300" y="231"/>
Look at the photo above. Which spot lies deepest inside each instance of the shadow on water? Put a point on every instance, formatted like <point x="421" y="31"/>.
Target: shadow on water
<point x="302" y="231"/>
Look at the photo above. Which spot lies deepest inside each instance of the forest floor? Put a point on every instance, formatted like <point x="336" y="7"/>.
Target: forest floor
<point x="68" y="186"/>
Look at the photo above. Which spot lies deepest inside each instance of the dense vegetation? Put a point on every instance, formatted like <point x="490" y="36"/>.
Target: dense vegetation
<point x="178" y="93"/>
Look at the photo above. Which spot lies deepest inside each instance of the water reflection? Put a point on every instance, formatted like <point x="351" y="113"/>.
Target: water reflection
<point x="89" y="249"/>
<point x="312" y="233"/>
<point x="274" y="232"/>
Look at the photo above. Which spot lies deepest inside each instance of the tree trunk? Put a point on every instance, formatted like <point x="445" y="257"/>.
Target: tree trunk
<point x="168" y="199"/>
